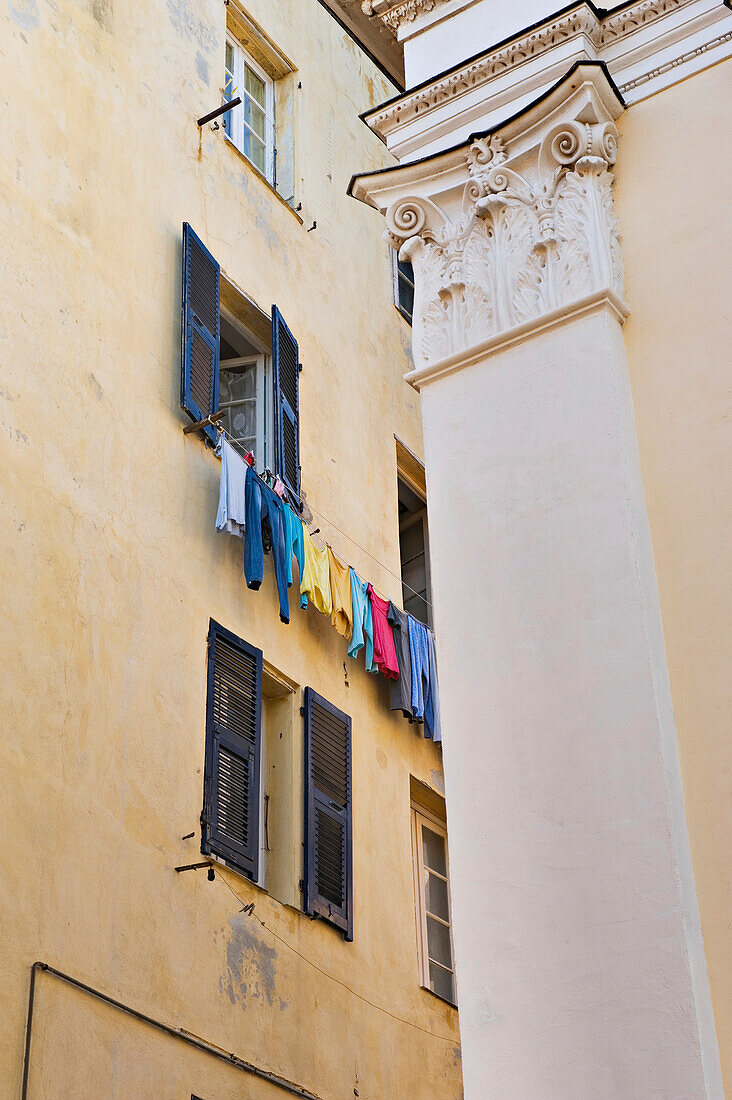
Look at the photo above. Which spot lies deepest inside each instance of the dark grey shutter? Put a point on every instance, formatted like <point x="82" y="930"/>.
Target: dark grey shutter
<point x="286" y="378"/>
<point x="200" y="324"/>
<point x="328" y="813"/>
<point x="230" y="819"/>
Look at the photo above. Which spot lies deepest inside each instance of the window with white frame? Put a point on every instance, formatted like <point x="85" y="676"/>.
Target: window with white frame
<point x="243" y="389"/>
<point x="432" y="894"/>
<point x="250" y="126"/>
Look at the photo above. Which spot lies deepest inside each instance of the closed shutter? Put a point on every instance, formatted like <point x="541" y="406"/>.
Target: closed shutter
<point x="230" y="816"/>
<point x="328" y="813"/>
<point x="199" y="375"/>
<point x="286" y="377"/>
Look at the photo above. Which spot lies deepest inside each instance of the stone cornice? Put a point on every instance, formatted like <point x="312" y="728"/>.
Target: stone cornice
<point x="600" y="31"/>
<point x="600" y="300"/>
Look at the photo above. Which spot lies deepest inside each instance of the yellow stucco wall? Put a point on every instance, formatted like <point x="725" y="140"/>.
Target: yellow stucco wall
<point x="672" y="198"/>
<point x="112" y="568"/>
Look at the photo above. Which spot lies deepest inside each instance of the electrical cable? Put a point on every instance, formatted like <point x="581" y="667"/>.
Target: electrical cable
<point x="235" y="443"/>
<point x="379" y="1008"/>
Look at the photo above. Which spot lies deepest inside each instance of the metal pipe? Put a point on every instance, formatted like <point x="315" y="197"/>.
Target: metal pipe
<point x="175" y="1033"/>
<point x="29" y="1029"/>
<point x="219" y="111"/>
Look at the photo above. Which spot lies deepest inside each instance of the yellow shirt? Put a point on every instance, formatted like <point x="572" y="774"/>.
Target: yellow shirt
<point x="341" y="598"/>
<point x="315" y="582"/>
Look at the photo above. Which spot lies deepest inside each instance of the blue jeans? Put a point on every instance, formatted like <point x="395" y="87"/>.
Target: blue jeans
<point x="262" y="504"/>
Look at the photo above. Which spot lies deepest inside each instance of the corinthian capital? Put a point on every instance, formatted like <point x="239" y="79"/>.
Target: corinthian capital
<point x="514" y="225"/>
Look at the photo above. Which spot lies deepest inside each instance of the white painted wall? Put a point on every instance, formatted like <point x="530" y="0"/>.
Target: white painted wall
<point x="574" y="907"/>
<point x="437" y="41"/>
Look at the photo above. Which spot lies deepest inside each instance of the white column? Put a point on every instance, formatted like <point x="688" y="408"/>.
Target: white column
<point x="580" y="965"/>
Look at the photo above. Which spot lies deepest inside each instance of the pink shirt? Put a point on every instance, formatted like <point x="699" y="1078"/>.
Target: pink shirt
<point x="384" y="650"/>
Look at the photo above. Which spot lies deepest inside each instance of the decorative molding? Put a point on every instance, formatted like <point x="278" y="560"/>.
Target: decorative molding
<point x="404" y="12"/>
<point x="522" y="228"/>
<point x="690" y="55"/>
<point x="580" y="21"/>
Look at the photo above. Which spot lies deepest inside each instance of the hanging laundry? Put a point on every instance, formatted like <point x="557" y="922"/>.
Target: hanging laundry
<point x="231" y="515"/>
<point x="384" y="652"/>
<point x="294" y="544"/>
<point x="401" y="690"/>
<point x="262" y="505"/>
<point x="279" y="489"/>
<point x="425" y="693"/>
<point x="341" y="598"/>
<point x="363" y="626"/>
<point x="315" y="577"/>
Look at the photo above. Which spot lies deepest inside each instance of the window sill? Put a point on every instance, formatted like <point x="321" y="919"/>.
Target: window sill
<point x="444" y="1000"/>
<point x="243" y="157"/>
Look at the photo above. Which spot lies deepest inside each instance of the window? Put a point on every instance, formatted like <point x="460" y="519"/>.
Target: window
<point x="243" y="376"/>
<point x="230" y="822"/>
<point x="432" y="895"/>
<point x="226" y="365"/>
<point x="414" y="552"/>
<point x="251" y="125"/>
<point x="328" y="818"/>
<point x="402" y="275"/>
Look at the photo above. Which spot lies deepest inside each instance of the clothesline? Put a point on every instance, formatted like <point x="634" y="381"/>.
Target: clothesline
<point x="397" y="644"/>
<point x="235" y="443"/>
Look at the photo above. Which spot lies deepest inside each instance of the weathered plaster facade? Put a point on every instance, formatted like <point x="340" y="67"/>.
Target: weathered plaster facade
<point x="586" y="963"/>
<point x="112" y="567"/>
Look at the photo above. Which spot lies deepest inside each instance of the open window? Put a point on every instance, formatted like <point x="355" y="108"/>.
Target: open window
<point x="413" y="535"/>
<point x="240" y="361"/>
<point x="244" y="381"/>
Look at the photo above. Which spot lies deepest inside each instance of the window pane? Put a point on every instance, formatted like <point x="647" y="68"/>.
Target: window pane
<point x="417" y="607"/>
<point x="254" y="85"/>
<point x="254" y="117"/>
<point x="244" y="420"/>
<point x="236" y="385"/>
<point x="229" y="58"/>
<point x="433" y="851"/>
<point x="255" y="150"/>
<point x="406" y="296"/>
<point x="412" y="541"/>
<point x="441" y="982"/>
<point x="438" y="942"/>
<point x="436" y="897"/>
<point x="414" y="577"/>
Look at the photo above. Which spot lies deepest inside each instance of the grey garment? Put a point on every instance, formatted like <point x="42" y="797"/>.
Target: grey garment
<point x="401" y="689"/>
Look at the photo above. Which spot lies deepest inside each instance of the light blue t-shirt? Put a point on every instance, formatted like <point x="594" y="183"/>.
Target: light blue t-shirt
<point x="294" y="545"/>
<point x="363" y="629"/>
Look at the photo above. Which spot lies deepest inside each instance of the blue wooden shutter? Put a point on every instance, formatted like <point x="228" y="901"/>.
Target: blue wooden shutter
<point x="286" y="378"/>
<point x="230" y="819"/>
<point x="200" y="324"/>
<point x="328" y="813"/>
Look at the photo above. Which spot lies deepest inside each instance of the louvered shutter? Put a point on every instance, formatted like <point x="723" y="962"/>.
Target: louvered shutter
<point x="199" y="375"/>
<point x="230" y="816"/>
<point x="286" y="378"/>
<point x="328" y="816"/>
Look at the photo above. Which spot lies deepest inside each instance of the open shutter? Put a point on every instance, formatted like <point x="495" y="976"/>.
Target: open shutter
<point x="199" y="375"/>
<point x="230" y="816"/>
<point x="328" y="816"/>
<point x="286" y="378"/>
